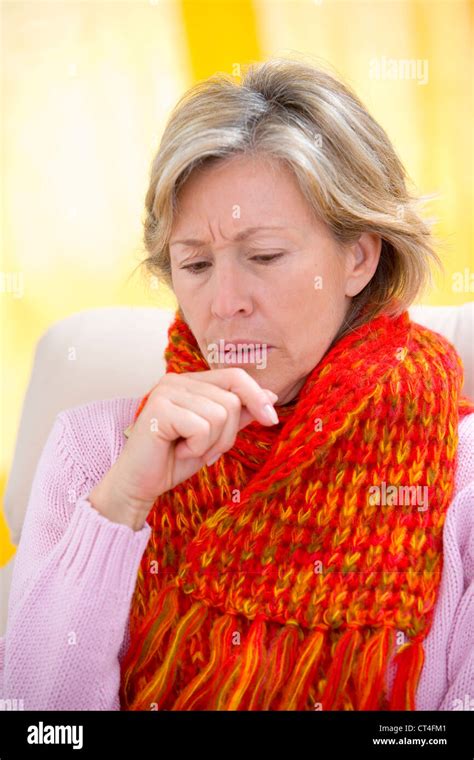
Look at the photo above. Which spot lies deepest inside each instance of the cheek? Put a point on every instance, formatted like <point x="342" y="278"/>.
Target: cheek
<point x="308" y="287"/>
<point x="188" y="298"/>
<point x="308" y="326"/>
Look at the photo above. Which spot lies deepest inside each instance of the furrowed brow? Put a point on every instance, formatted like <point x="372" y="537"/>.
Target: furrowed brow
<point x="242" y="235"/>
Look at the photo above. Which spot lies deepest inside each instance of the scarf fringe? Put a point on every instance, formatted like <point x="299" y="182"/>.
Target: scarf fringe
<point x="244" y="672"/>
<point x="289" y="674"/>
<point x="340" y="669"/>
<point x="148" y="639"/>
<point x="280" y="662"/>
<point x="200" y="689"/>
<point x="157" y="690"/>
<point x="372" y="668"/>
<point x="295" y="694"/>
<point x="409" y="659"/>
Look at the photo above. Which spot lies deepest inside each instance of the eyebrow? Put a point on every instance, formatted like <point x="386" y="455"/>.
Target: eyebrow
<point x="242" y="235"/>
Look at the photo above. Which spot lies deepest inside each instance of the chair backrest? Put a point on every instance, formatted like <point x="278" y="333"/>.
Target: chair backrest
<point x="118" y="351"/>
<point x="93" y="354"/>
<point x="456" y="323"/>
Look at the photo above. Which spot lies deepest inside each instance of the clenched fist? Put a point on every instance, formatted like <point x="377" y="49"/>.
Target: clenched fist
<point x="189" y="420"/>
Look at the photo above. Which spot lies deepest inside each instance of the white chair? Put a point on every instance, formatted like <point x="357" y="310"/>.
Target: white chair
<point x="118" y="351"/>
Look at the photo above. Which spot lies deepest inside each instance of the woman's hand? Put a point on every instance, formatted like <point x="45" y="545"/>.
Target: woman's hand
<point x="189" y="420"/>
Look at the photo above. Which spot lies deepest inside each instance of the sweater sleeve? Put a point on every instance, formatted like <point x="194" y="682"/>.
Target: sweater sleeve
<point x="73" y="579"/>
<point x="447" y="678"/>
<point x="459" y="540"/>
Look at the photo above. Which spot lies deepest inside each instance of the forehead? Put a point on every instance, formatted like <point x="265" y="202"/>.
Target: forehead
<point x="240" y="193"/>
<point x="239" y="168"/>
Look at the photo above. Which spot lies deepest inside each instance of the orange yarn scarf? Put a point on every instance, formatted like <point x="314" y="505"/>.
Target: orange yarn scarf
<point x="274" y="579"/>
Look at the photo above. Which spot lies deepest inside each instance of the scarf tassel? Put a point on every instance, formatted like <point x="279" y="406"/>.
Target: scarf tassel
<point x="147" y="640"/>
<point x="340" y="669"/>
<point x="155" y="690"/>
<point x="243" y="680"/>
<point x="253" y="681"/>
<point x="281" y="660"/>
<point x="409" y="659"/>
<point x="281" y="679"/>
<point x="246" y="678"/>
<point x="243" y="672"/>
<point x="196" y="694"/>
<point x="296" y="691"/>
<point x="371" y="670"/>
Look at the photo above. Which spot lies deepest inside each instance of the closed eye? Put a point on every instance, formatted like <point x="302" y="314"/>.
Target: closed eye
<point x="200" y="266"/>
<point x="269" y="257"/>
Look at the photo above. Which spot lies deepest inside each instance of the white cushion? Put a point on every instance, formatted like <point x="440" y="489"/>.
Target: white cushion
<point x="95" y="354"/>
<point x="456" y="323"/>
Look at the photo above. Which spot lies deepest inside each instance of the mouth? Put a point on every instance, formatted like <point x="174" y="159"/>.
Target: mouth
<point x="241" y="352"/>
<point x="232" y="346"/>
<point x="229" y="344"/>
<point x="238" y="352"/>
<point x="247" y="341"/>
<point x="234" y="349"/>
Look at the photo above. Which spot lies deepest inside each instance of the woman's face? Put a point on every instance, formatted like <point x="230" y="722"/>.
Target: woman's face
<point x="265" y="273"/>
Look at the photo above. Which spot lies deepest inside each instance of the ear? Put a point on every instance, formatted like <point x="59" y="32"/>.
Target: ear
<point x="361" y="261"/>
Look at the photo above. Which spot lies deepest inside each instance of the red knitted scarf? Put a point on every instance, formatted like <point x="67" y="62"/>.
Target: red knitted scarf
<point x="285" y="575"/>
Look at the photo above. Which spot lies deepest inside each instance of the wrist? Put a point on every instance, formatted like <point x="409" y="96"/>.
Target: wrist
<point x="115" y="508"/>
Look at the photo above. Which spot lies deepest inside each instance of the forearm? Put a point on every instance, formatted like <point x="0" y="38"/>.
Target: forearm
<point x="65" y="630"/>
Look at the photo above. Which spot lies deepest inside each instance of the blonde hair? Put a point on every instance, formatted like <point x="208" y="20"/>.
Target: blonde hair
<point x="343" y="160"/>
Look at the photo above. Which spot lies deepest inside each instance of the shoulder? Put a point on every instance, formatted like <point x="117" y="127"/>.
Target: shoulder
<point x="92" y="433"/>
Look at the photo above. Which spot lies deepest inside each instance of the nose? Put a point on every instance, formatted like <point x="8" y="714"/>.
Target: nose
<point x="231" y="293"/>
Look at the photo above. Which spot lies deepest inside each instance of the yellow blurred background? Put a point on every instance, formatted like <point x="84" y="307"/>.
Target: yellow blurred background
<point x="87" y="87"/>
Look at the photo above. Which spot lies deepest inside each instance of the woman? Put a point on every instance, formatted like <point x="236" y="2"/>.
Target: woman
<point x="284" y="528"/>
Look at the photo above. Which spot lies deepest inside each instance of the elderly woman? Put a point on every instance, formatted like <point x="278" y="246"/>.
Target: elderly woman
<point x="284" y="526"/>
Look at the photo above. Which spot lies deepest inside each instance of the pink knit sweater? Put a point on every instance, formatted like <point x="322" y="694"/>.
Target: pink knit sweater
<point x="75" y="573"/>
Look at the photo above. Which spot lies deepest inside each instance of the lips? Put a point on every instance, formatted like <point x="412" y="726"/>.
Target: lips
<point x="235" y="341"/>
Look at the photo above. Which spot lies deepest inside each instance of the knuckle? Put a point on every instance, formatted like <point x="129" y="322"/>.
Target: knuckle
<point x="227" y="442"/>
<point x="240" y="372"/>
<point x="220" y="415"/>
<point x="158" y="391"/>
<point x="205" y="426"/>
<point x="233" y="403"/>
<point x="160" y="409"/>
<point x="162" y="403"/>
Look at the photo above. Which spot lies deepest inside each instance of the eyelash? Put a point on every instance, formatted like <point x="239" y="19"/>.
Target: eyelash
<point x="264" y="259"/>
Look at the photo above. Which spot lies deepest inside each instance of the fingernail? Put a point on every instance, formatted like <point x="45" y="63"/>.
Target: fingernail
<point x="271" y="413"/>
<point x="213" y="459"/>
